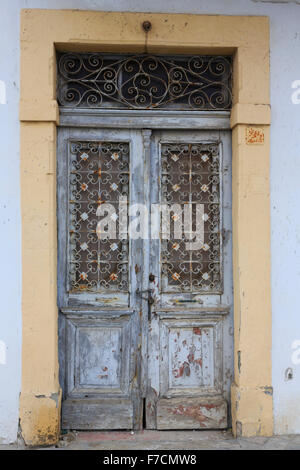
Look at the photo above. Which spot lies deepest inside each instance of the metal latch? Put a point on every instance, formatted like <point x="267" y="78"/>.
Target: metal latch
<point x="149" y="299"/>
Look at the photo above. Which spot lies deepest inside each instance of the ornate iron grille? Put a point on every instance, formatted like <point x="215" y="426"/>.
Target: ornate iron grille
<point x="144" y="81"/>
<point x="98" y="174"/>
<point x="191" y="174"/>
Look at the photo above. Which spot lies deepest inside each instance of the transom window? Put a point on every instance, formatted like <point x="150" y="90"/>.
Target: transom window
<point x="93" y="80"/>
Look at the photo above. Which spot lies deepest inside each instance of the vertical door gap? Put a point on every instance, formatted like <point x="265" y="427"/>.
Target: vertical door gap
<point x="144" y="414"/>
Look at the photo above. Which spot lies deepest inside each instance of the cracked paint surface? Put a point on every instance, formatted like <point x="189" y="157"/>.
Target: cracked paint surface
<point x="191" y="357"/>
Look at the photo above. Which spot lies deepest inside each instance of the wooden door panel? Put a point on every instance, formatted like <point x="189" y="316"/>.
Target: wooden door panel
<point x="91" y="413"/>
<point x="192" y="413"/>
<point x="190" y="355"/>
<point x="115" y="347"/>
<point x="99" y="319"/>
<point x="99" y="368"/>
<point x="187" y="374"/>
<point x="192" y="305"/>
<point x="191" y="372"/>
<point x="98" y="354"/>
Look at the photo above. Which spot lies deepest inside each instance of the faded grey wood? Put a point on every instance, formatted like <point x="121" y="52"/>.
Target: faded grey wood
<point x="139" y="119"/>
<point x="90" y="414"/>
<point x="143" y="367"/>
<point x="100" y="335"/>
<point x="146" y="133"/>
<point x="189" y="358"/>
<point x="98" y="355"/>
<point x="196" y="413"/>
<point x="136" y="281"/>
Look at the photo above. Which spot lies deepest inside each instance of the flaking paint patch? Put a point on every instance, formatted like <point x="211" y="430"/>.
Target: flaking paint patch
<point x="239" y="429"/>
<point x="239" y="361"/>
<point x="190" y="411"/>
<point x="40" y="420"/>
<point x="268" y="390"/>
<point x="52" y="396"/>
<point x="196" y="412"/>
<point x="55" y="397"/>
<point x="184" y="370"/>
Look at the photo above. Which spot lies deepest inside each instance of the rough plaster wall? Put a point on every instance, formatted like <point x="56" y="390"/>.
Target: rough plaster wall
<point x="285" y="189"/>
<point x="10" y="239"/>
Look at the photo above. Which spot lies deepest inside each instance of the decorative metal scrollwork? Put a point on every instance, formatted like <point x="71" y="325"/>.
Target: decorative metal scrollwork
<point x="190" y="174"/>
<point x="144" y="81"/>
<point x="98" y="174"/>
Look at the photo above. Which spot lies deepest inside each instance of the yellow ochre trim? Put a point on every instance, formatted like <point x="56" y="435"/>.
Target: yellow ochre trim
<point x="247" y="38"/>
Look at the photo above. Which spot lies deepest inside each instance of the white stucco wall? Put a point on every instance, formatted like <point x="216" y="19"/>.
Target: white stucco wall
<point x="285" y="190"/>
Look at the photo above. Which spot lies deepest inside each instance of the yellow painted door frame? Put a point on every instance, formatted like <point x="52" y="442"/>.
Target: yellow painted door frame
<point x="247" y="38"/>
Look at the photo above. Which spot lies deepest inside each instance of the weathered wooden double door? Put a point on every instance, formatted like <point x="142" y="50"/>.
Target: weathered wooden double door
<point x="144" y="278"/>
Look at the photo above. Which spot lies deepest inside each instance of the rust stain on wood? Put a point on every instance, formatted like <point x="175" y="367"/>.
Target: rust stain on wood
<point x="197" y="331"/>
<point x="184" y="370"/>
<point x="190" y="411"/>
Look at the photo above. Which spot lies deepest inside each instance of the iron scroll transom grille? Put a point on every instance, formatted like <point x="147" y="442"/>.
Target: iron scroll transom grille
<point x="94" y="80"/>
